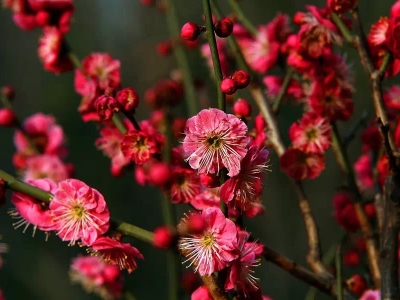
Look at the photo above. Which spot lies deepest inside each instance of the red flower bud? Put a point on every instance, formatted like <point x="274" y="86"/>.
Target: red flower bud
<point x="259" y="123"/>
<point x="370" y="210"/>
<point x="190" y="31"/>
<point x="242" y="79"/>
<point x="223" y="27"/>
<point x="351" y="258"/>
<point x="356" y="284"/>
<point x="195" y="223"/>
<point x="128" y="98"/>
<point x="228" y="86"/>
<point x="8" y="92"/>
<point x="106" y="106"/>
<point x="159" y="173"/>
<point x="190" y="281"/>
<point x="163" y="237"/>
<point x="164" y="48"/>
<point x="242" y="109"/>
<point x="7" y="117"/>
<point x="42" y="18"/>
<point x="209" y="180"/>
<point x="178" y="126"/>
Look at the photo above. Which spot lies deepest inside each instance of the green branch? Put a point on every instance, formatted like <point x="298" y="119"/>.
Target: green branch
<point x="39" y="194"/>
<point x="214" y="53"/>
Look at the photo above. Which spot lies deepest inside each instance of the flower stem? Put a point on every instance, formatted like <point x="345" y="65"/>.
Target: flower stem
<point x="281" y="94"/>
<point x="344" y="30"/>
<point x="118" y="123"/>
<point x="182" y="60"/>
<point x="132" y="119"/>
<point x="214" y="53"/>
<point x="39" y="194"/>
<point x="242" y="18"/>
<point x="75" y="60"/>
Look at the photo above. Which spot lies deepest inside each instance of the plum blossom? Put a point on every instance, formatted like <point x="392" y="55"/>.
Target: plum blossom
<point x="371" y="295"/>
<point x="97" y="277"/>
<point x="213" y="140"/>
<point x="247" y="185"/>
<point x="29" y="211"/>
<point x="114" y="252"/>
<point x="213" y="249"/>
<point x="79" y="212"/>
<point x="45" y="166"/>
<point x="311" y="134"/>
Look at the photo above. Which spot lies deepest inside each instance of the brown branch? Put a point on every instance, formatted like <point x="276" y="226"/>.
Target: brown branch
<point x="314" y="254"/>
<point x="389" y="241"/>
<point x="211" y="282"/>
<point x="325" y="286"/>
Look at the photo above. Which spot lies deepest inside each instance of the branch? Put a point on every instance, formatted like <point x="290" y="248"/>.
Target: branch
<point x="325" y="286"/>
<point x="366" y="229"/>
<point x="211" y="282"/>
<point x="41" y="195"/>
<point x="389" y="241"/>
<point x="214" y="53"/>
<point x="242" y="18"/>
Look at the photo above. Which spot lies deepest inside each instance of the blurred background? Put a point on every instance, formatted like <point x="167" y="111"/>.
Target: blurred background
<point x="35" y="269"/>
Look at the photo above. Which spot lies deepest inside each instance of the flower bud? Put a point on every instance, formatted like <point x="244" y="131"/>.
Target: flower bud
<point x="128" y="98"/>
<point x="7" y="117"/>
<point x="164" y="48"/>
<point x="242" y="79"/>
<point x="195" y="223"/>
<point x="209" y="180"/>
<point x="8" y="92"/>
<point x="242" y="109"/>
<point x="228" y="86"/>
<point x="351" y="258"/>
<point x="163" y="237"/>
<point x="356" y="284"/>
<point x="259" y="123"/>
<point x="190" y="281"/>
<point x="106" y="106"/>
<point x="190" y="31"/>
<point x="42" y="18"/>
<point x="223" y="27"/>
<point x="111" y="273"/>
<point x="370" y="210"/>
<point x="159" y="173"/>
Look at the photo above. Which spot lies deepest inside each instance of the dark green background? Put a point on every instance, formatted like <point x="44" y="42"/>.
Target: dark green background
<point x="36" y="269"/>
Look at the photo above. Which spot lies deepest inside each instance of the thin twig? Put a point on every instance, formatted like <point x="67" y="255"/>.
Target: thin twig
<point x="242" y="18"/>
<point x="356" y="126"/>
<point x="214" y="287"/>
<point x="338" y="264"/>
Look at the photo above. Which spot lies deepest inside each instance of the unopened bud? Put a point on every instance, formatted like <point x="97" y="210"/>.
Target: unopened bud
<point x="7" y="117"/>
<point x="223" y="27"/>
<point x="228" y="86"/>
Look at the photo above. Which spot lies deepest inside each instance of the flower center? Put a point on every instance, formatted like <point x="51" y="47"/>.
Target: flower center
<point x="207" y="241"/>
<point x="214" y="142"/>
<point x="312" y="134"/>
<point x="78" y="210"/>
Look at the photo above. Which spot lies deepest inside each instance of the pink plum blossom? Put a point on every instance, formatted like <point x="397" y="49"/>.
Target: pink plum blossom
<point x="213" y="249"/>
<point x="45" y="166"/>
<point x="215" y="140"/>
<point x="79" y="212"/>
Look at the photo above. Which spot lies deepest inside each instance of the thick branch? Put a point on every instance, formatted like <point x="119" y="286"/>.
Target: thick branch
<point x="325" y="286"/>
<point x="389" y="242"/>
<point x="211" y="282"/>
